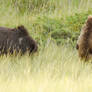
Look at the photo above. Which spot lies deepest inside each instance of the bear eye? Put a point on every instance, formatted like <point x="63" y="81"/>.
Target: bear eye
<point x="90" y="51"/>
<point x="77" y="46"/>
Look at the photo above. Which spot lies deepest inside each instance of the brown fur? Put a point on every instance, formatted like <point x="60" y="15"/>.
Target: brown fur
<point x="84" y="43"/>
<point x="16" y="40"/>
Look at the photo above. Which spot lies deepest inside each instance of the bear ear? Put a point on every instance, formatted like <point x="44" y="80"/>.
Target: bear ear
<point x="89" y="20"/>
<point x="90" y="17"/>
<point x="23" y="30"/>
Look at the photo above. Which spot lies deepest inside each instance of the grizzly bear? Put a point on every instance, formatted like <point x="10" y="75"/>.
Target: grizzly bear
<point x="16" y="40"/>
<point x="84" y="43"/>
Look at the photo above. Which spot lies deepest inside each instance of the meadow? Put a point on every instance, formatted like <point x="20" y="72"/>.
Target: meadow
<point x="56" y="67"/>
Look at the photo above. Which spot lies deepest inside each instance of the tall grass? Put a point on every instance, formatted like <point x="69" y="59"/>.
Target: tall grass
<point x="53" y="68"/>
<point x="46" y="6"/>
<point x="59" y="19"/>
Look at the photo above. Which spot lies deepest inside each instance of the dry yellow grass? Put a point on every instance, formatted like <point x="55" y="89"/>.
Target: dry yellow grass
<point x="54" y="69"/>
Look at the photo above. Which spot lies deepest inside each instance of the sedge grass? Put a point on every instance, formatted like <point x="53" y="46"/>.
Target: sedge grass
<point x="54" y="69"/>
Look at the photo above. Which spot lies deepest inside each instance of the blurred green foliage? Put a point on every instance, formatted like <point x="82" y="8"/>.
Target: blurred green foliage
<point x="62" y="30"/>
<point x="57" y="20"/>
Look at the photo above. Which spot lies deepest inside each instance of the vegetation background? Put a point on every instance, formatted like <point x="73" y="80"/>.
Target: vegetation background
<point x="56" y="67"/>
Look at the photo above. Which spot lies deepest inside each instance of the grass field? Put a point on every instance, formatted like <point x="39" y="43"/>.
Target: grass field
<point x="54" y="68"/>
